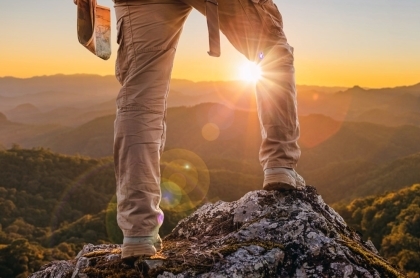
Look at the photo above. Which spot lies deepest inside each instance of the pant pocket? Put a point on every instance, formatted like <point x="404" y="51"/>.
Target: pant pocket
<point x="270" y="16"/>
<point x="121" y="61"/>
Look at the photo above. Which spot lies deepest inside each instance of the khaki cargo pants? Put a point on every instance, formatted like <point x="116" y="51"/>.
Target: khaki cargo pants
<point x="148" y="33"/>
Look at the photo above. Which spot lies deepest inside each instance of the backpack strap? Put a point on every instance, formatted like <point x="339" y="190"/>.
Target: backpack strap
<point x="212" y="15"/>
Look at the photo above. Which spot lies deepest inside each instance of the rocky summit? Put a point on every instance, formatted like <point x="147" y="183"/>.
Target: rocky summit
<point x="264" y="234"/>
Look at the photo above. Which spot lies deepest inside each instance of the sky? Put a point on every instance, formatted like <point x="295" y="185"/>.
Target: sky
<point x="373" y="43"/>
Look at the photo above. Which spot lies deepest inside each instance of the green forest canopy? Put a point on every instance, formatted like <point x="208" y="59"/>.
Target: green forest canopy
<point x="53" y="204"/>
<point x="392" y="222"/>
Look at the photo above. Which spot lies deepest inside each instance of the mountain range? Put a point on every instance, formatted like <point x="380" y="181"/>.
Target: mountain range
<point x="357" y="143"/>
<point x="350" y="137"/>
<point x="72" y="100"/>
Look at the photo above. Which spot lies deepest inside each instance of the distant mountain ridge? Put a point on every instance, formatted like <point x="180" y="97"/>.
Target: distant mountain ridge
<point x="91" y="92"/>
<point x="94" y="96"/>
<point x="350" y="155"/>
<point x="345" y="135"/>
<point x="3" y="117"/>
<point x="14" y="87"/>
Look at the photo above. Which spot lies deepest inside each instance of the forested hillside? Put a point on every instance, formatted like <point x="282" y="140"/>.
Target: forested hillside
<point x="392" y="222"/>
<point x="342" y="159"/>
<point x="52" y="204"/>
<point x="355" y="143"/>
<point x="42" y="192"/>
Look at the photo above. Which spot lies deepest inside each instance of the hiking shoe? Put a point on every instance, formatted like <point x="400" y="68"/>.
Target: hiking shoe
<point x="146" y="246"/>
<point x="282" y="179"/>
<point x="158" y="243"/>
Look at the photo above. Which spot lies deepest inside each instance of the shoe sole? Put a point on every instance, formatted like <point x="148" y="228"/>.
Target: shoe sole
<point x="279" y="182"/>
<point x="278" y="186"/>
<point x="137" y="250"/>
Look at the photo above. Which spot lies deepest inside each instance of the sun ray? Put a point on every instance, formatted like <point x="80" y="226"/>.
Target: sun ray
<point x="250" y="72"/>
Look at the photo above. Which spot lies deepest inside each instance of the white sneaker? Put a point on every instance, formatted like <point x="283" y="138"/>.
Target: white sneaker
<point x="282" y="179"/>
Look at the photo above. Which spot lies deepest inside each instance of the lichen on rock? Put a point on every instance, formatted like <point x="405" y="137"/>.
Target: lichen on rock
<point x="264" y="234"/>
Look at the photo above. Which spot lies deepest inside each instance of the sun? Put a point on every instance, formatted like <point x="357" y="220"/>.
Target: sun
<point x="250" y="71"/>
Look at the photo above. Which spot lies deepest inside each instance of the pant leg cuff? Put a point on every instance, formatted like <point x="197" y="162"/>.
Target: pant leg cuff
<point x="279" y="165"/>
<point x="139" y="233"/>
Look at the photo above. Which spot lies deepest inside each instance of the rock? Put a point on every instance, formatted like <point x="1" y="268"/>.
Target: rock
<point x="57" y="269"/>
<point x="264" y="234"/>
<point x="90" y="249"/>
<point x="152" y="264"/>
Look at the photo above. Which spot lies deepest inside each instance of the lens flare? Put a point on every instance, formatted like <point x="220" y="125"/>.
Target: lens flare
<point x="210" y="132"/>
<point x="250" y="72"/>
<point x="160" y="218"/>
<point x="185" y="180"/>
<point x="171" y="195"/>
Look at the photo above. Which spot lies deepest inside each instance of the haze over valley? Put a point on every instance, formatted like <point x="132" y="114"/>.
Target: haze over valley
<point x="359" y="149"/>
<point x="349" y="136"/>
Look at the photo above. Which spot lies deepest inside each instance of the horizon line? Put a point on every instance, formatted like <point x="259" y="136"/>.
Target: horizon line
<point x="201" y="81"/>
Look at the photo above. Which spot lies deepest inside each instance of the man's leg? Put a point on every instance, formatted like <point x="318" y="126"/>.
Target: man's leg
<point x="148" y="33"/>
<point x="255" y="28"/>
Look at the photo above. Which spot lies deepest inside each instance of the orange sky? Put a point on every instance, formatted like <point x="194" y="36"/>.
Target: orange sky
<point x="337" y="43"/>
